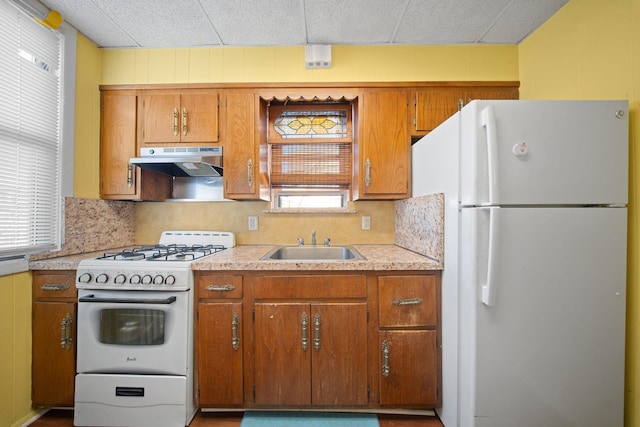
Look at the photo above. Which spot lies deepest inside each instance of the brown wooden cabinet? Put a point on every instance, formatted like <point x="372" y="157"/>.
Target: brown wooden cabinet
<point x="384" y="161"/>
<point x="242" y="175"/>
<point x="53" y="338"/>
<point x="317" y="340"/>
<point x="185" y="116"/>
<point x="218" y="334"/>
<point x="119" y="179"/>
<point x="409" y="319"/>
<point x="310" y="341"/>
<point x="433" y="105"/>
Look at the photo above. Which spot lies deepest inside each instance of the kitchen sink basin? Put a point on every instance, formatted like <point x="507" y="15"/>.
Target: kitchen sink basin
<point x="312" y="253"/>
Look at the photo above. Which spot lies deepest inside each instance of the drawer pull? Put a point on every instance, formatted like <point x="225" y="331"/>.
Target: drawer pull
<point x="235" y="339"/>
<point x="176" y="116"/>
<point x="410" y="301"/>
<point x="220" y="288"/>
<point x="385" y="358"/>
<point x="65" y="332"/>
<point x="316" y="332"/>
<point x="51" y="287"/>
<point x="304" y="321"/>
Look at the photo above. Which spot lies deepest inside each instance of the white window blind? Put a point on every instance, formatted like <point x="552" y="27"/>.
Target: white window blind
<point x="30" y="134"/>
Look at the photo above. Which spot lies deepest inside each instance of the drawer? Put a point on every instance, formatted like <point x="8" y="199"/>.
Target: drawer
<point x="407" y="301"/>
<point x="214" y="286"/>
<point x="54" y="285"/>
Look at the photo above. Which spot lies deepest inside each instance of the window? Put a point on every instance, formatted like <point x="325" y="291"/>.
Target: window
<point x="37" y="80"/>
<point x="310" y="156"/>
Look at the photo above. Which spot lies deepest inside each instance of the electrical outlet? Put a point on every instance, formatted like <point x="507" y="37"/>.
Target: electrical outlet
<point x="366" y="223"/>
<point x="253" y="223"/>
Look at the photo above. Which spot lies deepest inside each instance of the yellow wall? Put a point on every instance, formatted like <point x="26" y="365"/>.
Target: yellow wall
<point x="591" y="50"/>
<point x="15" y="351"/>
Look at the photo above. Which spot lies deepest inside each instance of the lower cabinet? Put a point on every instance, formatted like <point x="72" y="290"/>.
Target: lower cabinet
<point x="408" y="341"/>
<point x="310" y="354"/>
<point x="53" y="366"/>
<point x="218" y="334"/>
<point x="339" y="340"/>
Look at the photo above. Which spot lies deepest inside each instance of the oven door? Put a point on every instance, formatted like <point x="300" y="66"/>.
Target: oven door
<point x="142" y="332"/>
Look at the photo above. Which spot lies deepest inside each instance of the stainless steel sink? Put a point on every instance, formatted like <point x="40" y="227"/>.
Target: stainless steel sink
<point x="323" y="253"/>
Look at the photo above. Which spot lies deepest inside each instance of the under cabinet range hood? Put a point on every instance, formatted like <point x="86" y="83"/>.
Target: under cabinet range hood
<point x="181" y="161"/>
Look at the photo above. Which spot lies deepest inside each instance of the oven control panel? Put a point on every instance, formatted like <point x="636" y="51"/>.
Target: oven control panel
<point x="134" y="279"/>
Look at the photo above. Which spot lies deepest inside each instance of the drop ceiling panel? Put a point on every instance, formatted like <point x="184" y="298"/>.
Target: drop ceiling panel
<point x="257" y="22"/>
<point x="353" y="21"/>
<point x="448" y="22"/>
<point x="521" y="19"/>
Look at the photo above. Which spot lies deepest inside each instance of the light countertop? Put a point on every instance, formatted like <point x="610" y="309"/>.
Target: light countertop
<point x="247" y="257"/>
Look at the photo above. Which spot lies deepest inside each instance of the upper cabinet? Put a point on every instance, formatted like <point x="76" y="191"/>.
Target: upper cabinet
<point x="384" y="161"/>
<point x="184" y="116"/>
<point x="433" y="105"/>
<point x="242" y="175"/>
<point x="119" y="179"/>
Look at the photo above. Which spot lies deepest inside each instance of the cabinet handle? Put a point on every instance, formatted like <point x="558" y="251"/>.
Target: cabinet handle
<point x="316" y="332"/>
<point x="65" y="332"/>
<point x="51" y="287"/>
<point x="130" y="175"/>
<point x="305" y="331"/>
<point x="235" y="339"/>
<point x="250" y="173"/>
<point x="176" y="113"/>
<point x="410" y="301"/>
<point x="220" y="288"/>
<point x="184" y="121"/>
<point x="367" y="173"/>
<point x="385" y="358"/>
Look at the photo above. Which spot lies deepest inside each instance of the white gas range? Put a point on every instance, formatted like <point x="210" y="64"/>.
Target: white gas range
<point x="135" y="332"/>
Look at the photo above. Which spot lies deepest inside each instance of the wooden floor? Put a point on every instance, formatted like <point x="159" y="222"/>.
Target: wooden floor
<point x="62" y="418"/>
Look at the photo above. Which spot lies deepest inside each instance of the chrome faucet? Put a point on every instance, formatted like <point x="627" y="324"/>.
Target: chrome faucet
<point x="313" y="237"/>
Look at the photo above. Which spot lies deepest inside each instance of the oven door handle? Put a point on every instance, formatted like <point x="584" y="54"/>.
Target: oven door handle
<point x="93" y="298"/>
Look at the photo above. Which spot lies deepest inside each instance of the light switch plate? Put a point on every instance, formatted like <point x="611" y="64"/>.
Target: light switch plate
<point x="253" y="223"/>
<point x="366" y="223"/>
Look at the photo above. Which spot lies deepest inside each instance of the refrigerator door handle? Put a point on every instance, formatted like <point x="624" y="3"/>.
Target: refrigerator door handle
<point x="489" y="288"/>
<point x="488" y="117"/>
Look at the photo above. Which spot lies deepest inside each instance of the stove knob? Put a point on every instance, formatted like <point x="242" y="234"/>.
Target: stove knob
<point x="135" y="279"/>
<point x="84" y="278"/>
<point x="146" y="279"/>
<point x="102" y="278"/>
<point x="170" y="280"/>
<point x="120" y="279"/>
<point x="158" y="280"/>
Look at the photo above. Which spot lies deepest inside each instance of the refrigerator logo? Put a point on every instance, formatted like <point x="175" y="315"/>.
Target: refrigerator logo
<point x="131" y="359"/>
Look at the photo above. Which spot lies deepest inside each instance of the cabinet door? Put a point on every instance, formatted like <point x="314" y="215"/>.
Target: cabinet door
<point x="385" y="171"/>
<point x="54" y="353"/>
<point x="189" y="116"/>
<point x="199" y="116"/>
<point x="339" y="357"/>
<point x="282" y="340"/>
<point x="240" y="162"/>
<point x="161" y="117"/>
<point x="435" y="105"/>
<point x="219" y="354"/>
<point x="118" y="129"/>
<point x="409" y="371"/>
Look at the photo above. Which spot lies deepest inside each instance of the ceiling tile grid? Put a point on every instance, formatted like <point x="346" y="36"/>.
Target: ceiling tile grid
<point x="198" y="23"/>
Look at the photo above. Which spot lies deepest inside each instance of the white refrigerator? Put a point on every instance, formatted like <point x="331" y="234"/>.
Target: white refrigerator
<point x="534" y="279"/>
